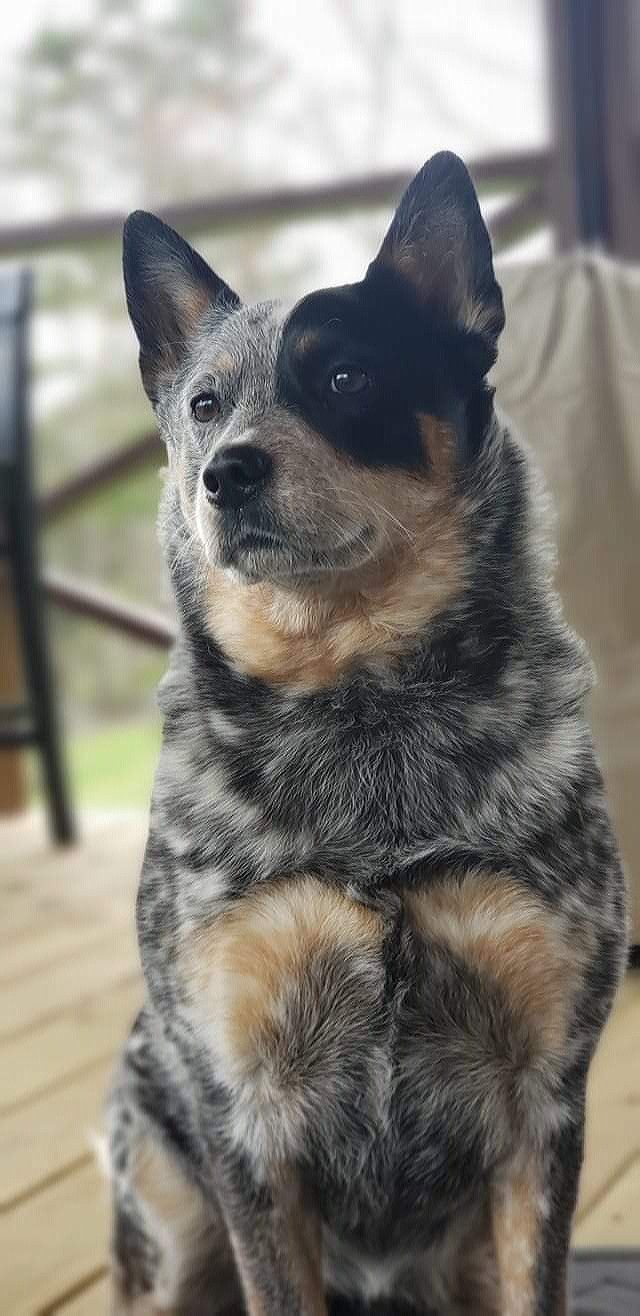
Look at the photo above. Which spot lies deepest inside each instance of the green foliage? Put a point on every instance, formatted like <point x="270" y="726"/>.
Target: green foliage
<point x="111" y="767"/>
<point x="125" y="108"/>
<point x="114" y="766"/>
<point x="97" y="103"/>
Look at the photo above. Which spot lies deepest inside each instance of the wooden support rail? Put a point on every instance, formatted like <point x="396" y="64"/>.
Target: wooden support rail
<point x="95" y="604"/>
<point x="495" y="172"/>
<point x="96" y="475"/>
<point x="518" y="217"/>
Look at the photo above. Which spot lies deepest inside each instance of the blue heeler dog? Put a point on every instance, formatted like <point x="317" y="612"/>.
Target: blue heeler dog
<point x="381" y="913"/>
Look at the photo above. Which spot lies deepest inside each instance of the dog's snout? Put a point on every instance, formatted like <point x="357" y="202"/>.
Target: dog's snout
<point x="236" y="474"/>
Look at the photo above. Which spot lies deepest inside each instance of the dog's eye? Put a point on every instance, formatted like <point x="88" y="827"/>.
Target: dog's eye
<point x="204" y="407"/>
<point x="349" y="379"/>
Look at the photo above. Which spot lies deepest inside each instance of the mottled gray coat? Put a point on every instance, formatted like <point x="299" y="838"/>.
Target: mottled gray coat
<point x="381" y="913"/>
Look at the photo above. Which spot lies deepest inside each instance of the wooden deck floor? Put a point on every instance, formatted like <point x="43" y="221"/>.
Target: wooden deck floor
<point x="69" y="986"/>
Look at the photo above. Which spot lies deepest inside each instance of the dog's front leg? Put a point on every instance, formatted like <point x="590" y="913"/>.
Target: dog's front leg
<point x="276" y="1240"/>
<point x="533" y="1201"/>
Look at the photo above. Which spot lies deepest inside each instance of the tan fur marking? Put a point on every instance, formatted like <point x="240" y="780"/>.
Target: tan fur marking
<point x="253" y="1300"/>
<point x="506" y="934"/>
<point x="240" y="963"/>
<point x="299" y="1240"/>
<point x="306" y="342"/>
<point x="184" y="1225"/>
<point x="304" y="1244"/>
<point x="438" y="440"/>
<point x="473" y="1272"/>
<point x="193" y="302"/>
<point x="163" y="1187"/>
<point x="308" y="638"/>
<point x="516" y="1213"/>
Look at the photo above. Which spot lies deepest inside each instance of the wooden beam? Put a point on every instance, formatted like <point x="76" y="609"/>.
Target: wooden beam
<point x="595" y="81"/>
<point x="519" y="217"/>
<point x="96" y="475"/>
<point x="577" y="171"/>
<point x="622" y="125"/>
<point x="274" y="206"/>
<point x="95" y="604"/>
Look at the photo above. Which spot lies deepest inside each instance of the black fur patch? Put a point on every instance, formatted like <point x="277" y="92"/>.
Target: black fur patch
<point x="415" y="361"/>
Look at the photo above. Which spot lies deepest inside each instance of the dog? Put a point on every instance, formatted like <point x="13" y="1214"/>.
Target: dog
<point x="381" y="913"/>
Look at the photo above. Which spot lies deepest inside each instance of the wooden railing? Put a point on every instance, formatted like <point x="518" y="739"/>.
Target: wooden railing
<point x="494" y="172"/>
<point x="587" y="186"/>
<point x="523" y="176"/>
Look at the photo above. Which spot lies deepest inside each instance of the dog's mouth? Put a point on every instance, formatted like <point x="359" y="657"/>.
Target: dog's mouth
<point x="256" y="541"/>
<point x="240" y="544"/>
<point x="263" y="552"/>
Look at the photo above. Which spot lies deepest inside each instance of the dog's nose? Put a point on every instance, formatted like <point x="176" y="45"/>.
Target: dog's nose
<point x="236" y="474"/>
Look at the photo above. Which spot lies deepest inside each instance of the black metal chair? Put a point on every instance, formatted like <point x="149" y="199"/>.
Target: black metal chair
<point x="34" y="721"/>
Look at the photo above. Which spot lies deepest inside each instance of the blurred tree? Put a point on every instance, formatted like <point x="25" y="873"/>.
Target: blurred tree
<point x="142" y="102"/>
<point x="125" y="105"/>
<point x="135" y="103"/>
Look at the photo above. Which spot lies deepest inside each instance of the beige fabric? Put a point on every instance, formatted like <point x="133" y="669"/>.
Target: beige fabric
<point x="569" y="378"/>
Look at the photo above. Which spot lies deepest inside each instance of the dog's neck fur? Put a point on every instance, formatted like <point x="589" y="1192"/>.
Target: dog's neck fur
<point x="495" y="597"/>
<point x="307" y="638"/>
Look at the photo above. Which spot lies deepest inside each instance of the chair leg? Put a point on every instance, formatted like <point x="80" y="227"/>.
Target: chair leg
<point x="30" y="619"/>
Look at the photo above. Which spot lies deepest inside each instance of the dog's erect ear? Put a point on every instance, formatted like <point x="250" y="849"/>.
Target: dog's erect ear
<point x="438" y="243"/>
<point x="169" y="290"/>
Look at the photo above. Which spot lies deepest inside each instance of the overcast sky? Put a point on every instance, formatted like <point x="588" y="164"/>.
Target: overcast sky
<point x="452" y="73"/>
<point x="447" y="73"/>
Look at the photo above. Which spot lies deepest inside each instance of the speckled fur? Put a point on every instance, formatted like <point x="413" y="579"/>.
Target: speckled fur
<point x="381" y="912"/>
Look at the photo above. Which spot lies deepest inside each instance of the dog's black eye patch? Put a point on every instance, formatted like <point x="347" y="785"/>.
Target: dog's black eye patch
<point x="361" y="364"/>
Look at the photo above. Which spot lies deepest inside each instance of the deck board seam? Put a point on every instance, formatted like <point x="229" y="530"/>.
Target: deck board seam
<point x="611" y="1182"/>
<point x="75" y="1291"/>
<point x="48" y="1181"/>
<point x="16" y="1035"/>
<point x="72" y="952"/>
<point x="65" y="1080"/>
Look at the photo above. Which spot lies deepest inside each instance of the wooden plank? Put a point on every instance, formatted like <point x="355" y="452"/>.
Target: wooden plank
<point x="622" y="82"/>
<point x="104" y="835"/>
<point x="44" y="948"/>
<point x="109" y="852"/>
<point x="98" y="474"/>
<point x="88" y="1032"/>
<point x="613" y="1105"/>
<point x="86" y="599"/>
<point x="29" y="914"/>
<point x="594" y="75"/>
<point x="614" y="1220"/>
<point x="215" y="214"/>
<point x="519" y="217"/>
<point x="53" y="1241"/>
<point x="40" y="1140"/>
<point x="93" y="1301"/>
<point x="50" y="991"/>
<point x="41" y="886"/>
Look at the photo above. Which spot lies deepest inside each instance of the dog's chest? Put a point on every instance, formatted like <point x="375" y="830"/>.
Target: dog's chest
<point x="379" y="1048"/>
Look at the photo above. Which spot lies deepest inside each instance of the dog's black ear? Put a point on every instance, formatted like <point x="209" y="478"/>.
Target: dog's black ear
<point x="438" y="243"/>
<point x="169" y="290"/>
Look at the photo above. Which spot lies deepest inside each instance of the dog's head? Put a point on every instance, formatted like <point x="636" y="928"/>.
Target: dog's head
<point x="318" y="450"/>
